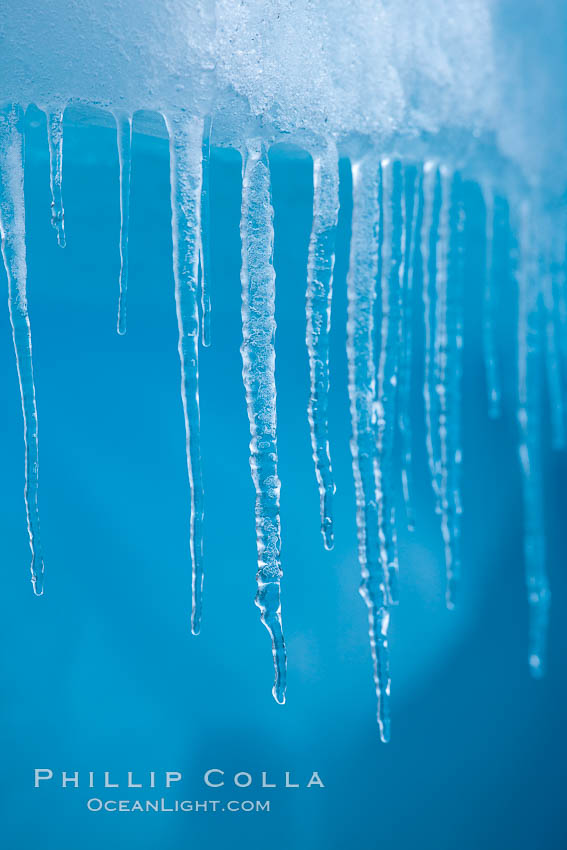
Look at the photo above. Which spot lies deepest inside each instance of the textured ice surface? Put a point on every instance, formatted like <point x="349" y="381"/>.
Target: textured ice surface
<point x="418" y="95"/>
<point x="477" y="72"/>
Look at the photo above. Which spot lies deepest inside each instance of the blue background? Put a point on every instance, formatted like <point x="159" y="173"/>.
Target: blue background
<point x="102" y="672"/>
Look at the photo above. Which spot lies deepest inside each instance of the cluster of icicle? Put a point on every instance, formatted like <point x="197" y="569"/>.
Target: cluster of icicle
<point x="405" y="216"/>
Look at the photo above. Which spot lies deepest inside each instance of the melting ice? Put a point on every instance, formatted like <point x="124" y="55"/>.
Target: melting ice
<point x="418" y="101"/>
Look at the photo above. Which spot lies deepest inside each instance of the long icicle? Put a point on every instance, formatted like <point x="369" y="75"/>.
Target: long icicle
<point x="411" y="215"/>
<point x="429" y="235"/>
<point x="559" y="285"/>
<point x="55" y="145"/>
<point x="320" y="265"/>
<point x="390" y="332"/>
<point x="206" y="269"/>
<point x="124" y="144"/>
<point x="530" y="443"/>
<point x="442" y="248"/>
<point x="361" y="286"/>
<point x="13" y="233"/>
<point x="185" y="137"/>
<point x="549" y="264"/>
<point x="449" y="347"/>
<point x="258" y="373"/>
<point x="490" y="311"/>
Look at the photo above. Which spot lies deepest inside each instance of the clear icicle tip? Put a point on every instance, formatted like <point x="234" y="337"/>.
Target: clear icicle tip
<point x="268" y="601"/>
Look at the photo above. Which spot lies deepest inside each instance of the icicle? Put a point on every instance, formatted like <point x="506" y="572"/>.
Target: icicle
<point x="429" y="236"/>
<point x="448" y="355"/>
<point x="258" y="372"/>
<point x="410" y="214"/>
<point x="361" y="285"/>
<point x="440" y="334"/>
<point x="185" y="136"/>
<point x="124" y="142"/>
<point x="13" y="233"/>
<point x="549" y="265"/>
<point x="319" y="292"/>
<point x="530" y="437"/>
<point x="206" y="236"/>
<point x="553" y="366"/>
<point x="559" y="284"/>
<point x="55" y="144"/>
<point x="490" y="308"/>
<point x="390" y="333"/>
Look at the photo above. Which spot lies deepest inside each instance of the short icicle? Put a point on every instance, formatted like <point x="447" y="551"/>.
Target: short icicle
<point x="206" y="235"/>
<point x="55" y="144"/>
<point x="448" y="350"/>
<point x="388" y="360"/>
<point x="185" y="137"/>
<point x="13" y="234"/>
<point x="124" y="143"/>
<point x="258" y="373"/>
<point x="361" y="287"/>
<point x="490" y="310"/>
<point x="530" y="442"/>
<point x="429" y="225"/>
<point x="411" y="214"/>
<point x="320" y="265"/>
